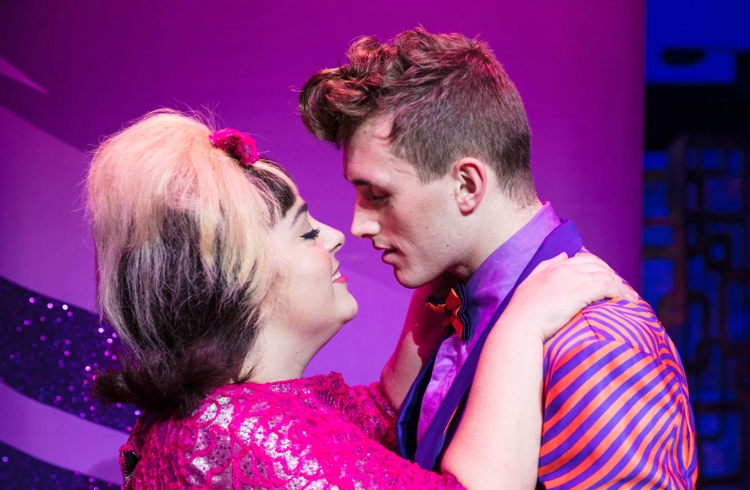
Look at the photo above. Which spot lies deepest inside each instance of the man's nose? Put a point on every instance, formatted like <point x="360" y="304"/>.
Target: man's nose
<point x="364" y="223"/>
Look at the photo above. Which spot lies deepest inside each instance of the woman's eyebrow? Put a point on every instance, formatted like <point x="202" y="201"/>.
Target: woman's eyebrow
<point x="302" y="210"/>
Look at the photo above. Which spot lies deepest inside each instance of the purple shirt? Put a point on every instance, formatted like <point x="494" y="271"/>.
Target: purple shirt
<point x="485" y="290"/>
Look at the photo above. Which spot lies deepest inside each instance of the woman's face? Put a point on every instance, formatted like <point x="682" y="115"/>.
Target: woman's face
<point x="311" y="293"/>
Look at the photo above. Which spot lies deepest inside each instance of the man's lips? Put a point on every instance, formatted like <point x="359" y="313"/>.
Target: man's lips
<point x="389" y="255"/>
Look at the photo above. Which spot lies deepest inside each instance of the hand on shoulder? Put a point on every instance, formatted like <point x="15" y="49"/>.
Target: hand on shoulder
<point x="561" y="287"/>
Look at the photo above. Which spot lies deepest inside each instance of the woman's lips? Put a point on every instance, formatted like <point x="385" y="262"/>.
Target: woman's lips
<point x="338" y="277"/>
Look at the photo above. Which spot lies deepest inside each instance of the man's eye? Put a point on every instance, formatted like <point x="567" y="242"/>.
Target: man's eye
<point x="312" y="234"/>
<point x="378" y="197"/>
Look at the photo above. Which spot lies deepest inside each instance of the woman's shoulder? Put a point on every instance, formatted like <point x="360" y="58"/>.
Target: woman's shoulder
<point x="251" y="417"/>
<point x="299" y="388"/>
<point x="238" y="401"/>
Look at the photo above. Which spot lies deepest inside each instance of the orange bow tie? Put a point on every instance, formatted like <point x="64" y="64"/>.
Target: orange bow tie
<point x="455" y="312"/>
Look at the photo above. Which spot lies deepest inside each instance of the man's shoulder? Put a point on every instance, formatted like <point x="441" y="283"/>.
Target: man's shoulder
<point x="611" y="323"/>
<point x="615" y="320"/>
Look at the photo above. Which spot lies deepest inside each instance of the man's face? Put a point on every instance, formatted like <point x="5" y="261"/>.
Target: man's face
<point x="412" y="222"/>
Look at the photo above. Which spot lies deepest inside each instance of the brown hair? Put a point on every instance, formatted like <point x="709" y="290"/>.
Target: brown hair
<point x="448" y="98"/>
<point x="183" y="271"/>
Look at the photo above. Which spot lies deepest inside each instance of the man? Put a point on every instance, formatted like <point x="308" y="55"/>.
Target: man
<point x="437" y="144"/>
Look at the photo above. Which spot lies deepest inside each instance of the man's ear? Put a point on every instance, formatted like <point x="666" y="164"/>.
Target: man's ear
<point x="470" y="176"/>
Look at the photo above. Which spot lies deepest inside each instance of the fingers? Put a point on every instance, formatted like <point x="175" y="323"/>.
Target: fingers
<point x="588" y="259"/>
<point x="605" y="284"/>
<point x="546" y="264"/>
<point x="595" y="278"/>
<point x="587" y="272"/>
<point x="561" y="260"/>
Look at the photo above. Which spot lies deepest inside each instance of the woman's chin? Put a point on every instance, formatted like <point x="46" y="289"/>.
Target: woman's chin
<point x="353" y="311"/>
<point x="347" y="315"/>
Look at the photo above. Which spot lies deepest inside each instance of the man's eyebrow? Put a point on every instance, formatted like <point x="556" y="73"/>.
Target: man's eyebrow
<point x="357" y="182"/>
<point x="302" y="210"/>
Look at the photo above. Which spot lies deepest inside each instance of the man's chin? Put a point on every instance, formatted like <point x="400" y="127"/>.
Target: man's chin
<point x="407" y="280"/>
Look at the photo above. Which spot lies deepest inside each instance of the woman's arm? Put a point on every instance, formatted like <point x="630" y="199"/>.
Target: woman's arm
<point x="419" y="338"/>
<point x="497" y="443"/>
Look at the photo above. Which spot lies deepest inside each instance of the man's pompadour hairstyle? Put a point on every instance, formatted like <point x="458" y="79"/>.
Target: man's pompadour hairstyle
<point x="447" y="97"/>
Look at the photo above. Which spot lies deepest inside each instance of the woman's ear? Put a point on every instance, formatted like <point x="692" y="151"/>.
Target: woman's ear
<point x="470" y="176"/>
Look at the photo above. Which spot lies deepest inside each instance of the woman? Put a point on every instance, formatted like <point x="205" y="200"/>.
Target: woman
<point x="223" y="287"/>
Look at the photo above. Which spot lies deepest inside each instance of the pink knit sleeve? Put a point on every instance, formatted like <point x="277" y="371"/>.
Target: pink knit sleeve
<point x="314" y="448"/>
<point x="310" y="434"/>
<point x="368" y="408"/>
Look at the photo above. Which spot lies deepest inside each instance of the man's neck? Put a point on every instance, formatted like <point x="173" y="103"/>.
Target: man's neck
<point x="493" y="228"/>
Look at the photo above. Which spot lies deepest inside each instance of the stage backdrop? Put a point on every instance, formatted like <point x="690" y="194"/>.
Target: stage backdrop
<point x="71" y="72"/>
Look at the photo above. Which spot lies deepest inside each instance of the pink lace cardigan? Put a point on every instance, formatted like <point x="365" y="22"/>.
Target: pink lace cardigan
<point x="311" y="433"/>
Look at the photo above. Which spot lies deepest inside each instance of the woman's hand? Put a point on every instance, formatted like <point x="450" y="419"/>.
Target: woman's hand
<point x="559" y="288"/>
<point x="420" y="337"/>
<point x="497" y="443"/>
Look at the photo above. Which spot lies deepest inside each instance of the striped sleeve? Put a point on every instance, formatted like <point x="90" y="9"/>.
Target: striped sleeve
<point x="616" y="406"/>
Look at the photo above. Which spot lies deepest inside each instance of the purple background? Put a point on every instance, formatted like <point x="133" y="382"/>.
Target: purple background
<point x="73" y="71"/>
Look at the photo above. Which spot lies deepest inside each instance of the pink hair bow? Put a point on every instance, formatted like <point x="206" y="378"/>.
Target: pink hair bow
<point x="237" y="144"/>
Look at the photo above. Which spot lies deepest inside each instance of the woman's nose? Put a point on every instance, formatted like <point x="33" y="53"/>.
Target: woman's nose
<point x="332" y="238"/>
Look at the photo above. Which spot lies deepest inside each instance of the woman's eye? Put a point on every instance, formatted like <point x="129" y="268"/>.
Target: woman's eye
<point x="312" y="234"/>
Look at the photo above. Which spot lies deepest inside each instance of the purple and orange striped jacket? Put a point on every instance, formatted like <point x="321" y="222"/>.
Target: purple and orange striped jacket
<point x="616" y="405"/>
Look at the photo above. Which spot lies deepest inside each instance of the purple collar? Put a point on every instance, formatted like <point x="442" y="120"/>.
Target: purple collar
<point x="491" y="282"/>
<point x="485" y="291"/>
